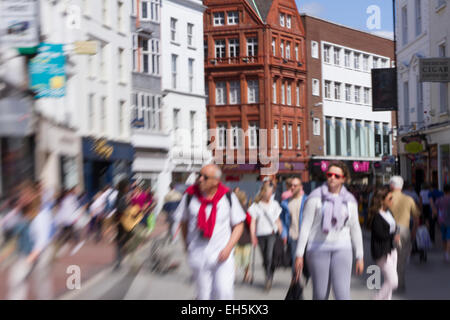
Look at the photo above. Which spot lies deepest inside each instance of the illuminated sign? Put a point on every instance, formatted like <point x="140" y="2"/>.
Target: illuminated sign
<point x="363" y="166"/>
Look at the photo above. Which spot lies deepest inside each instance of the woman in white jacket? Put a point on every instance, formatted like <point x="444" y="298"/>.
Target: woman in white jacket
<point x="329" y="231"/>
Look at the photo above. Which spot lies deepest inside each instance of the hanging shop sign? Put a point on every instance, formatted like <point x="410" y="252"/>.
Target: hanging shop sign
<point x="47" y="71"/>
<point x="384" y="87"/>
<point x="414" y="147"/>
<point x="85" y="47"/>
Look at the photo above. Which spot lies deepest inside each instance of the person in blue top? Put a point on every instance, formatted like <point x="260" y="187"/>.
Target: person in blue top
<point x="433" y="196"/>
<point x="291" y="217"/>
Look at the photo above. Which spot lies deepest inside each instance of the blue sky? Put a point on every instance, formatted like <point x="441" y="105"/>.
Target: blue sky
<point x="352" y="13"/>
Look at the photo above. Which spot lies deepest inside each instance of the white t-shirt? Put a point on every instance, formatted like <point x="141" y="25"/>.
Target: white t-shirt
<point x="99" y="205"/>
<point x="203" y="251"/>
<point x="40" y="230"/>
<point x="272" y="210"/>
<point x="67" y="213"/>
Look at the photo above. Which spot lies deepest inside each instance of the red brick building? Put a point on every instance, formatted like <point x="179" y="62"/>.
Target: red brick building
<point x="255" y="75"/>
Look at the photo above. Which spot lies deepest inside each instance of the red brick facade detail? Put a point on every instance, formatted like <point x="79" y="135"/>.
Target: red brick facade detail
<point x="223" y="67"/>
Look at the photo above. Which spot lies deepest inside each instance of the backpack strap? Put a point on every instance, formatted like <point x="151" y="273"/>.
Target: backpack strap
<point x="228" y="194"/>
<point x="188" y="200"/>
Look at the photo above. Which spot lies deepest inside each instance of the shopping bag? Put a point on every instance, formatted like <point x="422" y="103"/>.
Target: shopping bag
<point x="423" y="239"/>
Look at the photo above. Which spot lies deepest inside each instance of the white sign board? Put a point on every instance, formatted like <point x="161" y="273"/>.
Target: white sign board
<point x="19" y="26"/>
<point x="434" y="69"/>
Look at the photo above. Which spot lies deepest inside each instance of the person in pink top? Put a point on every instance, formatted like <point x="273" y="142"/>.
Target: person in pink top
<point x="139" y="197"/>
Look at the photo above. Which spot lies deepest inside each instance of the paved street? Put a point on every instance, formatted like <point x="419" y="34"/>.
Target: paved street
<point x="424" y="281"/>
<point x="92" y="258"/>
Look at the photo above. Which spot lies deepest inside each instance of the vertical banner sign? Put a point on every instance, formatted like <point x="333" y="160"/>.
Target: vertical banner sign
<point x="384" y="89"/>
<point x="19" y="23"/>
<point x="47" y="71"/>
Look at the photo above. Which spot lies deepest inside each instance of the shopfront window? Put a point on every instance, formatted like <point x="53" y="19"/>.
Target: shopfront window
<point x="330" y="134"/>
<point x="339" y="137"/>
<point x="378" y="150"/>
<point x="349" y="130"/>
<point x="358" y="137"/>
<point x="69" y="172"/>
<point x="386" y="139"/>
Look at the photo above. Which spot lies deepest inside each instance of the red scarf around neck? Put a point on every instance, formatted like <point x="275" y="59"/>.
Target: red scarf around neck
<point x="207" y="226"/>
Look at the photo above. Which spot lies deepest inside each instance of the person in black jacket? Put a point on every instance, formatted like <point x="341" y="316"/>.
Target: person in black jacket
<point x="123" y="236"/>
<point x="385" y="239"/>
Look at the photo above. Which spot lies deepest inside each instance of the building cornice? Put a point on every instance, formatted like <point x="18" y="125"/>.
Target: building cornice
<point x="196" y="95"/>
<point x="344" y="26"/>
<point x="191" y="4"/>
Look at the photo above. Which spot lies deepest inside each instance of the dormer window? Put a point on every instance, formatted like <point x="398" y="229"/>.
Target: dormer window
<point x="282" y="19"/>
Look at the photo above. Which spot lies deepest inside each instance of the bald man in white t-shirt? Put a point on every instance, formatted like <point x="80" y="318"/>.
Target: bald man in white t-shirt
<point x="211" y="221"/>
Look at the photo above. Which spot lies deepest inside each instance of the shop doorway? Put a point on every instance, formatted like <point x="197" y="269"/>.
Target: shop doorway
<point x="101" y="176"/>
<point x="420" y="179"/>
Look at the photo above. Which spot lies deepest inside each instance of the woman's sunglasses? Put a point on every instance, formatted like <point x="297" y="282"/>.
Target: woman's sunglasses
<point x="331" y="174"/>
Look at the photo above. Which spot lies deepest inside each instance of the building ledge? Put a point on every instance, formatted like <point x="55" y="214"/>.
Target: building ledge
<point x="150" y="140"/>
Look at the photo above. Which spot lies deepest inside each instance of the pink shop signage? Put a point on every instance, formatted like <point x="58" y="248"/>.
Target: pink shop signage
<point x="363" y="166"/>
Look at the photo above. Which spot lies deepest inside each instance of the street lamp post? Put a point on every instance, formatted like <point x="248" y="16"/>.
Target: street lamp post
<point x="398" y="171"/>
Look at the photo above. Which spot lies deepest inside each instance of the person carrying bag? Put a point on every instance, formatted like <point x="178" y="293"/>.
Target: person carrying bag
<point x="265" y="229"/>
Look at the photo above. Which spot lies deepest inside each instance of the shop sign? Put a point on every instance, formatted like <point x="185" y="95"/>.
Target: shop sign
<point x="414" y="147"/>
<point x="85" y="47"/>
<point x="434" y="69"/>
<point x="363" y="166"/>
<point x="388" y="159"/>
<point x="292" y="166"/>
<point x="19" y="23"/>
<point x="384" y="86"/>
<point x="324" y="165"/>
<point x="102" y="149"/>
<point x="239" y="167"/>
<point x="47" y="71"/>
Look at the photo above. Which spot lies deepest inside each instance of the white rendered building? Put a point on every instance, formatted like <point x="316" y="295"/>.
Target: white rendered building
<point x="352" y="131"/>
<point x="87" y="132"/>
<point x="149" y="137"/>
<point x="184" y="104"/>
<point x="438" y="132"/>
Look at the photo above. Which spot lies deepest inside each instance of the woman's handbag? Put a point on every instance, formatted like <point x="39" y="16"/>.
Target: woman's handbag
<point x="295" y="291"/>
<point x="281" y="257"/>
<point x="281" y="254"/>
